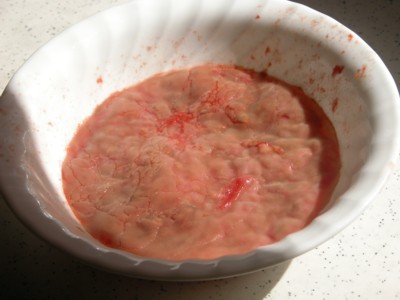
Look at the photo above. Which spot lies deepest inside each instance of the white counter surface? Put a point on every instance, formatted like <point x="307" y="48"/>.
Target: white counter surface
<point x="362" y="262"/>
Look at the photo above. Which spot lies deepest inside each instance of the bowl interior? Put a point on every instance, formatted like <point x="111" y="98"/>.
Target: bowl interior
<point x="66" y="79"/>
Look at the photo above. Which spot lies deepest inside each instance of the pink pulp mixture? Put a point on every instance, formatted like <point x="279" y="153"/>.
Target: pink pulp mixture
<point x="199" y="163"/>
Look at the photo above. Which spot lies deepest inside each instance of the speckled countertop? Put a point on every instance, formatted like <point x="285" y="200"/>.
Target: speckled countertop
<point x="362" y="262"/>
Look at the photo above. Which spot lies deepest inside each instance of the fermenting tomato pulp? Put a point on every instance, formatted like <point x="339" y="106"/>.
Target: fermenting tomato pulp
<point x="200" y="163"/>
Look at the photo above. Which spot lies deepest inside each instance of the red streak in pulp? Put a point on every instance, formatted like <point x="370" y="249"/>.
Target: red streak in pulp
<point x="233" y="191"/>
<point x="179" y="118"/>
<point x="212" y="98"/>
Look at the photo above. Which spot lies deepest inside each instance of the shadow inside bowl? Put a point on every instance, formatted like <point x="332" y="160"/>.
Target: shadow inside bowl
<point x="39" y="271"/>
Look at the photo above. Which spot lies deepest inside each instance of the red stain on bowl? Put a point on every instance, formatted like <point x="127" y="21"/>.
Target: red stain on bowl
<point x="314" y="22"/>
<point x="257" y="17"/>
<point x="337" y="70"/>
<point x="334" y="104"/>
<point x="350" y="37"/>
<point x="197" y="35"/>
<point x="361" y="72"/>
<point x="99" y="80"/>
<point x="17" y="129"/>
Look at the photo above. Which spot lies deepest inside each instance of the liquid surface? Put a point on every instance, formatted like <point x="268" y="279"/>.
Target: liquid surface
<point x="201" y="163"/>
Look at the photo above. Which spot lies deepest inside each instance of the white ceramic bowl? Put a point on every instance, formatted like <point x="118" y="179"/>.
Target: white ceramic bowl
<point x="60" y="85"/>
